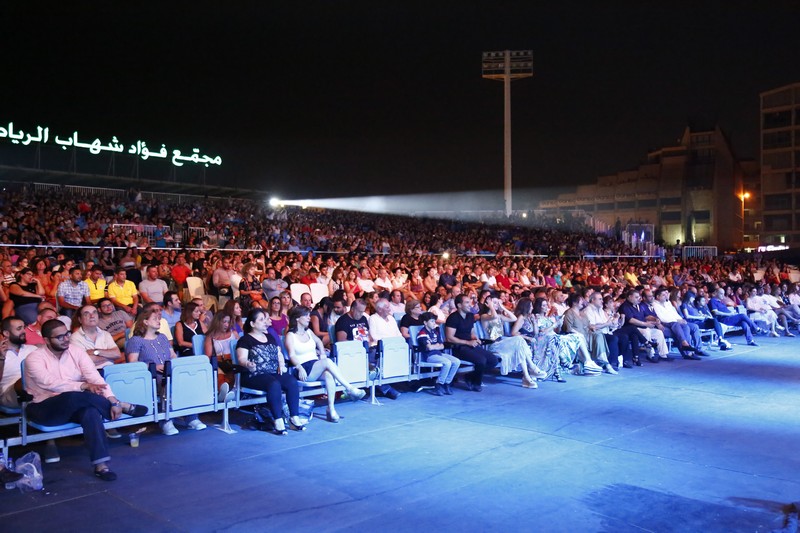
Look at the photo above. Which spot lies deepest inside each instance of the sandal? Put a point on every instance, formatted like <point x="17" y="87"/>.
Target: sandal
<point x="297" y="427"/>
<point x="106" y="474"/>
<point x="329" y="416"/>
<point x="281" y="432"/>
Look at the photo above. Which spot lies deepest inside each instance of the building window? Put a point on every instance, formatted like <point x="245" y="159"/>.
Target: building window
<point x="777" y="119"/>
<point x="702" y="217"/>
<point x="670" y="216"/>
<point x="671" y="201"/>
<point x="778" y="222"/>
<point x="626" y="205"/>
<point x="777" y="139"/>
<point x="777" y="202"/>
<point x="605" y="207"/>
<point x="647" y="203"/>
<point x="777" y="160"/>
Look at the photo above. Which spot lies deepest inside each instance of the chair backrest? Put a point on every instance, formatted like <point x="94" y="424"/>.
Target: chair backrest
<point x="351" y="358"/>
<point x="235" y="279"/>
<point x="413" y="332"/>
<point x="395" y="355"/>
<point x="298" y="289"/>
<point x="318" y="292"/>
<point x="132" y="383"/>
<point x="507" y="328"/>
<point x="191" y="382"/>
<point x="399" y="316"/>
<point x="199" y="344"/>
<point x="195" y="287"/>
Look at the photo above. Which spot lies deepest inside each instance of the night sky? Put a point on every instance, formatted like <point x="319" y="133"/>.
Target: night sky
<point x="343" y="98"/>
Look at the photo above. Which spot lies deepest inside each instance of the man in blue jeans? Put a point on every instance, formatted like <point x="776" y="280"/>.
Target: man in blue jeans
<point x="66" y="387"/>
<point x="731" y="318"/>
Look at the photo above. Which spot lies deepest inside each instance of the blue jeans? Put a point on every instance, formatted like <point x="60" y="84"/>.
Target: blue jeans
<point x="450" y="366"/>
<point x="84" y="408"/>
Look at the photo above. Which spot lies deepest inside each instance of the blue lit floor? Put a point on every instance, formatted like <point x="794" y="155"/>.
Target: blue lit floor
<point x="706" y="445"/>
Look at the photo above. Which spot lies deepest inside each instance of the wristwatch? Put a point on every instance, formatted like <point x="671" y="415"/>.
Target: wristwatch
<point x="96" y="352"/>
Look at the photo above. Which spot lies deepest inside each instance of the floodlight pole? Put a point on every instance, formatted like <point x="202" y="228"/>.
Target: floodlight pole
<point x="507" y="66"/>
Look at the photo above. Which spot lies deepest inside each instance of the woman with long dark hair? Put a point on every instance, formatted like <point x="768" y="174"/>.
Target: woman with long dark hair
<point x="258" y="351"/>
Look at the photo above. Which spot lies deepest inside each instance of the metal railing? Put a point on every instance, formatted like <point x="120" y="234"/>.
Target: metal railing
<point x="699" y="252"/>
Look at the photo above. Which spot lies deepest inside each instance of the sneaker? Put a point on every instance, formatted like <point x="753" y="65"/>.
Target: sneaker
<point x="113" y="434"/>
<point x="223" y="391"/>
<point x="51" y="452"/>
<point x="197" y="425"/>
<point x="752" y="343"/>
<point x="448" y="389"/>
<point x="438" y="390"/>
<point x="608" y="369"/>
<point x="168" y="428"/>
<point x="591" y="366"/>
<point x="773" y="334"/>
<point x="724" y="347"/>
<point x="725" y="343"/>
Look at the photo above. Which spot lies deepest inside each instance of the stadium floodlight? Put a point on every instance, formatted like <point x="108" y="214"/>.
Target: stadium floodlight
<point x="507" y="66"/>
<point x="274" y="202"/>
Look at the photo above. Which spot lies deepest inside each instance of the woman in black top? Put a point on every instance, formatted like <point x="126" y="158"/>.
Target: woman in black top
<point x="188" y="327"/>
<point x="26" y="293"/>
<point x="258" y="351"/>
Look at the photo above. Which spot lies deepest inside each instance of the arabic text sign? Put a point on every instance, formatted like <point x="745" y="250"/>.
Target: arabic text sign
<point x="42" y="136"/>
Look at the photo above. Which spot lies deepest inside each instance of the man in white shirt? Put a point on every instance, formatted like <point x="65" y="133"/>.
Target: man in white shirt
<point x="685" y="333"/>
<point x="98" y="343"/>
<point x="365" y="281"/>
<point x="382" y="325"/>
<point x="153" y="288"/>
<point x="382" y="282"/>
<point x="16" y="351"/>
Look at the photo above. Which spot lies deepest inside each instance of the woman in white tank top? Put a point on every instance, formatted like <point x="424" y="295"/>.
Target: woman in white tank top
<point x="308" y="355"/>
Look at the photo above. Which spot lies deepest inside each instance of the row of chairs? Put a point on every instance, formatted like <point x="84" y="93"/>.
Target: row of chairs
<point x="189" y="388"/>
<point x="190" y="385"/>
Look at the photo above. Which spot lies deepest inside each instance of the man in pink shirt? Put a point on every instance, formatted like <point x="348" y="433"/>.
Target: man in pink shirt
<point x="66" y="387"/>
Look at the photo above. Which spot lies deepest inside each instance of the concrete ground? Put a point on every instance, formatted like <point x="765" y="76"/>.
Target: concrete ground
<point x="701" y="446"/>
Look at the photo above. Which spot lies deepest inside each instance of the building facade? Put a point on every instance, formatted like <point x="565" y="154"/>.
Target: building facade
<point x="780" y="164"/>
<point x="691" y="192"/>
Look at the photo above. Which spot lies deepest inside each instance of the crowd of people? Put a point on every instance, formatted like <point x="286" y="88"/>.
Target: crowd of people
<point x="533" y="306"/>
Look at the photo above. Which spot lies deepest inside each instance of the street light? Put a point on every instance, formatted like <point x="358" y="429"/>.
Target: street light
<point x="743" y="196"/>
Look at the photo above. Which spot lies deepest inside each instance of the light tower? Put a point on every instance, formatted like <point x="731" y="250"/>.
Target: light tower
<point x="507" y="66"/>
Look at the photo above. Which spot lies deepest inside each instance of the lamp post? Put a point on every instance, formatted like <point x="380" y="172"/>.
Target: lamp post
<point x="506" y="66"/>
<point x="743" y="196"/>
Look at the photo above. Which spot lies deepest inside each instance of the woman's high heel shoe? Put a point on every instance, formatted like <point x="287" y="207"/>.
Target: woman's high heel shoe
<point x="295" y="426"/>
<point x="282" y="431"/>
<point x="356" y="394"/>
<point x="529" y="384"/>
<point x="331" y="417"/>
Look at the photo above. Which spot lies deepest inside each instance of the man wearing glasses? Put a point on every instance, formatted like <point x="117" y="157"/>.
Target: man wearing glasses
<point x="66" y="387"/>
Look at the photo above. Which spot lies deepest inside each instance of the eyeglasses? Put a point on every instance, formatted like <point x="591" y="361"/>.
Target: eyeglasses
<point x="62" y="336"/>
